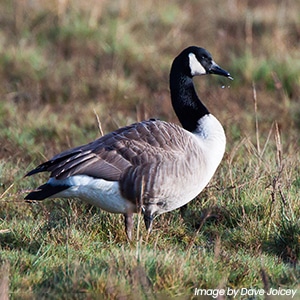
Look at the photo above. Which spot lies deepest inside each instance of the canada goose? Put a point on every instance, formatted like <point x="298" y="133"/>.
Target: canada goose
<point x="152" y="166"/>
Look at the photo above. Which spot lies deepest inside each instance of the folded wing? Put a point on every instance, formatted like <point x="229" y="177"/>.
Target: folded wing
<point x="108" y="157"/>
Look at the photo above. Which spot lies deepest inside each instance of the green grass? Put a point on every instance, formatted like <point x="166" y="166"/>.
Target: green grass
<point x="66" y="67"/>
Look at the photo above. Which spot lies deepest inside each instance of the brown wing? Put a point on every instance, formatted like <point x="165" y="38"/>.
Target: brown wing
<point x="139" y="144"/>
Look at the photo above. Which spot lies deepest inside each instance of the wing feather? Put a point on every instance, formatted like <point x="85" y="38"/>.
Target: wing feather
<point x="108" y="157"/>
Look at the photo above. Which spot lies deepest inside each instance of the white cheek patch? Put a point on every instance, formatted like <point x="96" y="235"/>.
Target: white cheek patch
<point x="195" y="66"/>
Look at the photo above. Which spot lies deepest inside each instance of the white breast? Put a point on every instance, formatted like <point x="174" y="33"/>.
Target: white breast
<point x="211" y="140"/>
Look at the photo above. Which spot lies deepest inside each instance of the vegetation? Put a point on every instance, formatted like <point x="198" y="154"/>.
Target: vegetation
<point x="74" y="69"/>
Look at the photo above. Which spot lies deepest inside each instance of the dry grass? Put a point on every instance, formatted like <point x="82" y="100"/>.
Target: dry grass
<point x="74" y="69"/>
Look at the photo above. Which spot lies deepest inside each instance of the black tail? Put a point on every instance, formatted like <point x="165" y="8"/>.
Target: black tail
<point x="44" y="191"/>
<point x="54" y="163"/>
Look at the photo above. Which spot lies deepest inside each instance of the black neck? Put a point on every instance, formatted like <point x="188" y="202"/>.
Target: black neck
<point x="187" y="105"/>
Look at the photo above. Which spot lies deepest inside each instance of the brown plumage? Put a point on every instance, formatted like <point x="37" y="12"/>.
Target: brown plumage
<point x="151" y="166"/>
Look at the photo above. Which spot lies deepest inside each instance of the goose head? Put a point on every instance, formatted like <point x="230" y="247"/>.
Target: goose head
<point x="197" y="61"/>
<point x="201" y="63"/>
<point x="192" y="61"/>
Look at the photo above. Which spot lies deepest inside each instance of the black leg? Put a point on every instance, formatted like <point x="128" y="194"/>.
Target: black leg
<point x="183" y="210"/>
<point x="129" y="225"/>
<point x="148" y="219"/>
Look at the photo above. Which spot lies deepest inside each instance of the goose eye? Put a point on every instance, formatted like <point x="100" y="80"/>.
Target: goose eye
<point x="205" y="58"/>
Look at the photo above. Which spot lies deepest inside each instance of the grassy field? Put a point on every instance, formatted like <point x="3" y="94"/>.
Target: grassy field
<point x="69" y="67"/>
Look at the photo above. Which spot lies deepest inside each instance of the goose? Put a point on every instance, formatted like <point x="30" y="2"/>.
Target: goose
<point x="150" y="167"/>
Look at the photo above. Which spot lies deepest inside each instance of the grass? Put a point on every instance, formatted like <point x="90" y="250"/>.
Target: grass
<point x="70" y="68"/>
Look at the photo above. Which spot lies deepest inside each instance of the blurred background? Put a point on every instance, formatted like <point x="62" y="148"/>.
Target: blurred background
<point x="70" y="70"/>
<point x="63" y="61"/>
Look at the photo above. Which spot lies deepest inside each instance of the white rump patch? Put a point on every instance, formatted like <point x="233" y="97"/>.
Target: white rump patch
<point x="195" y="66"/>
<point x="99" y="192"/>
